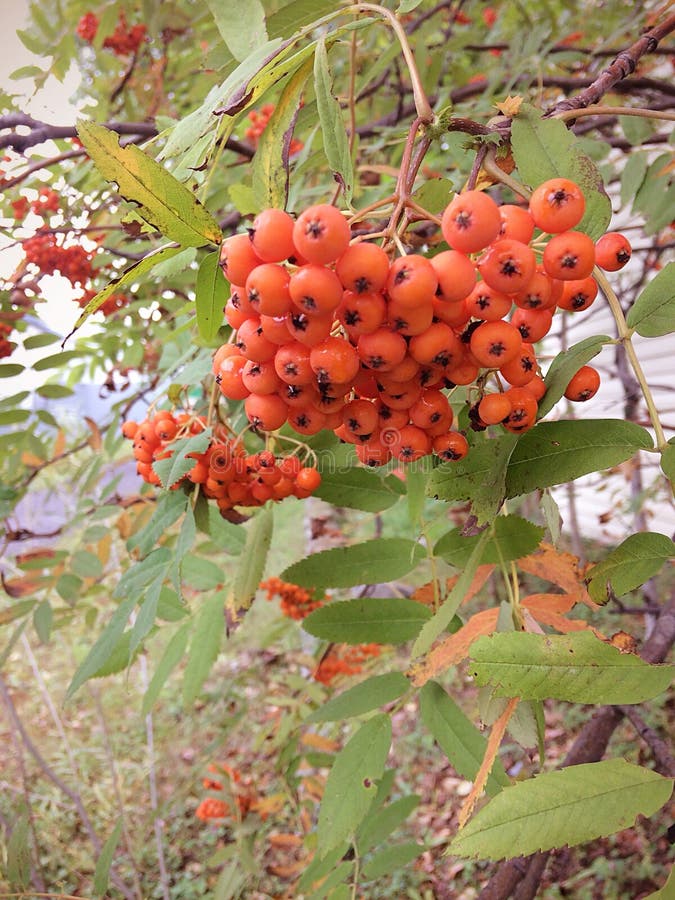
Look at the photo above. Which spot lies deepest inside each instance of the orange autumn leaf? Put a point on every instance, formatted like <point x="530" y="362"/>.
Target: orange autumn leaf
<point x="317" y="742"/>
<point x="455" y="648"/>
<point x="495" y="739"/>
<point x="285" y="840"/>
<point x="425" y="593"/>
<point x="546" y="603"/>
<point x="266" y="806"/>
<point x="559" y="567"/>
<point x="31" y="460"/>
<point x="59" y="443"/>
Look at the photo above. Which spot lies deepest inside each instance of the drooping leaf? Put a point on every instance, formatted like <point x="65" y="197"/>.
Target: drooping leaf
<point x="356" y="488"/>
<point x="370" y="562"/>
<point x="211" y="296"/>
<point x="362" y="698"/>
<point x="105" y="858"/>
<point x="668" y="462"/>
<point x="170" y="506"/>
<point x="364" y="620"/>
<point x="510" y="538"/>
<point x="204" y="646"/>
<point x="253" y="559"/>
<point x="335" y="140"/>
<point x="576" y="667"/>
<point x="557" y="452"/>
<point x="271" y="161"/>
<point x="458" y="737"/>
<point x="546" y="148"/>
<point x="163" y="201"/>
<point x="241" y="25"/>
<point x="453" y="649"/>
<point x="479" y="477"/>
<point x="382" y="821"/>
<point x="173" y="654"/>
<point x="127" y="277"/>
<point x="629" y="565"/>
<point x="565" y="365"/>
<point x="104" y="646"/>
<point x="565" y="808"/>
<point x="352" y="782"/>
<point x="18" y="853"/>
<point x="653" y="313"/>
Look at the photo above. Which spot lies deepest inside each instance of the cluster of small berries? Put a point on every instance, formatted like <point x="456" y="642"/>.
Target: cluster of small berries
<point x="112" y="304"/>
<point x="124" y="41"/>
<point x="344" y="660"/>
<point x="49" y="255"/>
<point x="226" y="473"/>
<point x="295" y="602"/>
<point x="215" y="808"/>
<point x="6" y="346"/>
<point x="259" y="120"/>
<point x="333" y="335"/>
<point x="46" y="201"/>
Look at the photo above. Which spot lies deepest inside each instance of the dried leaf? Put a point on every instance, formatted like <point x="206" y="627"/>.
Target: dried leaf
<point x="495" y="739"/>
<point x="95" y="440"/>
<point x="455" y="648"/>
<point x="31" y="460"/>
<point x="59" y="443"/>
<point x="559" y="567"/>
<point x="425" y="593"/>
<point x="510" y="106"/>
<point x="316" y="742"/>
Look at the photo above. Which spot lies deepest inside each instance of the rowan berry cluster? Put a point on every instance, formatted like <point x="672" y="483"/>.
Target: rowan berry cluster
<point x="49" y="255"/>
<point x="295" y="602"/>
<point x="335" y="335"/>
<point x="344" y="660"/>
<point x="6" y="346"/>
<point x="259" y="120"/>
<point x="214" y="807"/>
<point x="225" y="471"/>
<point x="124" y="41"/>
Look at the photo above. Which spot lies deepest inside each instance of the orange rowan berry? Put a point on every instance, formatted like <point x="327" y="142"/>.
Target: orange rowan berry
<point x="579" y="294"/>
<point x="583" y="385"/>
<point x="360" y="417"/>
<point x="261" y="377"/>
<point x="523" y="410"/>
<point x="453" y="314"/>
<point x="129" y="428"/>
<point x="569" y="256"/>
<point x="334" y="360"/>
<point x="557" y="205"/>
<point x="410" y="320"/>
<point x="275" y="329"/>
<point x="507" y="265"/>
<point x="361" y="313"/>
<point x="412" y="280"/>
<point x="252" y="343"/>
<point x="470" y="221"/>
<point x="265" y="412"/>
<point x="612" y="251"/>
<point x="238" y="258"/>
<point x="522" y="368"/>
<point x="381" y="350"/>
<point x="321" y="234"/>
<point x="494" y="408"/>
<point x="267" y="290"/>
<point x="363" y="268"/>
<point x="516" y="223"/>
<point x="451" y="446"/>
<point x="431" y="408"/>
<point x="456" y="275"/>
<point x="537" y="293"/>
<point x="272" y="235"/>
<point x="438" y="345"/>
<point x="291" y="363"/>
<point x="308" y="479"/>
<point x="315" y="290"/>
<point x="309" y="330"/>
<point x="495" y="343"/>
<point x="487" y="303"/>
<point x="533" y="324"/>
<point x="411" y="444"/>
<point x="306" y="419"/>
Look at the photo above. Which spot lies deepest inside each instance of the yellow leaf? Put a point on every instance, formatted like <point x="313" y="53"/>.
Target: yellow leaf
<point x="103" y="549"/>
<point x="95" y="439"/>
<point x="317" y="742"/>
<point x="59" y="443"/>
<point x="511" y="106"/>
<point x="30" y="459"/>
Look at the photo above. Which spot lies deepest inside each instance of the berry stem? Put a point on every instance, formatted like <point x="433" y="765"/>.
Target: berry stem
<point x="602" y="110"/>
<point x="625" y="334"/>
<point x="422" y="105"/>
<point x="492" y="169"/>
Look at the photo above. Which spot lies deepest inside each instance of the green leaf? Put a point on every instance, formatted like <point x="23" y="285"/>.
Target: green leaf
<point x="44" y="339"/>
<point x="54" y="391"/>
<point x="445" y="614"/>
<point x="356" y="488"/>
<point x="668" y="461"/>
<point x="205" y="645"/>
<point x="224" y="534"/>
<point x="173" y="654"/>
<point x="653" y="313"/>
<point x="434" y="194"/>
<point x="565" y="365"/>
<point x="381" y="822"/>
<point x="9" y="370"/>
<point x="416" y="478"/>
<point x="379" y="560"/>
<point x="391" y="858"/>
<point x="632" y="176"/>
<point x="253" y="558"/>
<point x="104" y="646"/>
<point x="509" y="538"/>
<point x="43" y="615"/>
<point x="138" y="577"/>
<point x="370" y="694"/>
<point x="479" y="477"/>
<point x="545" y="148"/>
<point x="365" y="620"/>
<point x="629" y="565"/>
<point x="458" y="737"/>
<point x="131" y="274"/>
<point x="576" y="667"/>
<point x="176" y="466"/>
<point x="56" y="360"/>
<point x="201" y="574"/>
<point x="18" y="854"/>
<point x="163" y="201"/>
<point x="352" y="782"/>
<point x="335" y="140"/>
<point x="147" y="614"/>
<point x="211" y="296"/>
<point x="565" y="808"/>
<point x="14" y="416"/>
<point x="406" y="6"/>
<point x="241" y="25"/>
<point x="557" y="452"/>
<point x="170" y="507"/>
<point x="270" y="163"/>
<point x="105" y="858"/>
<point x="296" y="15"/>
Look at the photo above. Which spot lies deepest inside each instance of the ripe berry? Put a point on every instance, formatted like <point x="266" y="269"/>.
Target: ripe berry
<point x="507" y="265"/>
<point x="272" y="235"/>
<point x="238" y="258"/>
<point x="583" y="385"/>
<point x="578" y="294"/>
<point x="438" y="345"/>
<point x="321" y="234"/>
<point x="315" y="290"/>
<point x="470" y="221"/>
<point x="267" y="290"/>
<point x="612" y="251"/>
<point x="456" y="275"/>
<point x="265" y="412"/>
<point x="381" y="350"/>
<point x="363" y="268"/>
<point x="494" y="408"/>
<point x="412" y="280"/>
<point x="557" y="205"/>
<point x="495" y="343"/>
<point x="517" y="223"/>
<point x="487" y="303"/>
<point x="451" y="446"/>
<point x="569" y="256"/>
<point x="334" y="361"/>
